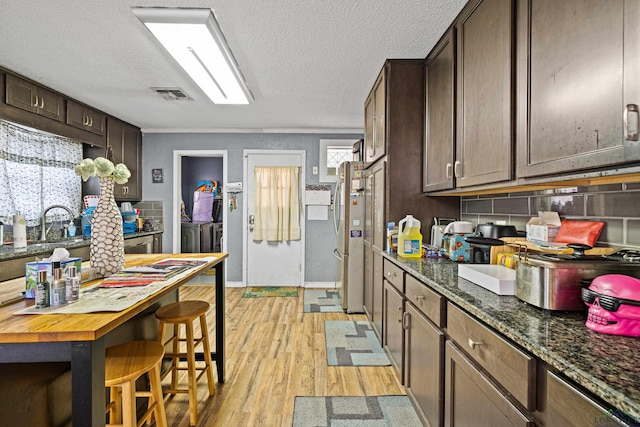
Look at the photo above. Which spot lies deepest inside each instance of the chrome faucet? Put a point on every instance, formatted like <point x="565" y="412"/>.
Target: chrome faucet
<point x="43" y="220"/>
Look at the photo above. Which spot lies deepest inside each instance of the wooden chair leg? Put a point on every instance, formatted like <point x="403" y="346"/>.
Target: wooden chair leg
<point x="191" y="368"/>
<point x="175" y="360"/>
<point x="129" y="404"/>
<point x="115" y="411"/>
<point x="207" y="354"/>
<point x="156" y="392"/>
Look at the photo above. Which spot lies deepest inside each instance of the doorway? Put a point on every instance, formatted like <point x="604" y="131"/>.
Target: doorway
<point x="272" y="263"/>
<point x="178" y="157"/>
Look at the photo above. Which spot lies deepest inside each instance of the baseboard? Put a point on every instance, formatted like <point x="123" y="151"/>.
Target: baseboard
<point x="323" y="285"/>
<point x="234" y="285"/>
<point x="307" y="285"/>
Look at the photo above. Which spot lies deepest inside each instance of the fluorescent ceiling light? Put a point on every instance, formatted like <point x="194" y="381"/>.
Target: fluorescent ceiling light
<point x="194" y="39"/>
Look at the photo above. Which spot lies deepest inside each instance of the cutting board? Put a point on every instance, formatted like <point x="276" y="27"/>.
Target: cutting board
<point x="495" y="278"/>
<point x="513" y="242"/>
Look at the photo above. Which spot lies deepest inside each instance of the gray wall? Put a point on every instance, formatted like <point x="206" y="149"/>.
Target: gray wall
<point x="616" y="204"/>
<point x="157" y="152"/>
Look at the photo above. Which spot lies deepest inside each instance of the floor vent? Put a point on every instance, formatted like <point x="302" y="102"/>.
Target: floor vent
<point x="172" y="93"/>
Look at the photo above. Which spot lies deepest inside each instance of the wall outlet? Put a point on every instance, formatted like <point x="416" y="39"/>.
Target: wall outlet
<point x="315" y="170"/>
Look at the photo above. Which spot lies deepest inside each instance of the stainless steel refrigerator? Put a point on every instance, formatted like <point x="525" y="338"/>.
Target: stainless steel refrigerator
<point x="348" y="220"/>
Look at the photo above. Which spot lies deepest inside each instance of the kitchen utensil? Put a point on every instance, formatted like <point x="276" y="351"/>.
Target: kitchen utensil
<point x="552" y="281"/>
<point x="459" y="227"/>
<point x="437" y="230"/>
<point x="455" y="247"/>
<point x="481" y="248"/>
<point x="496" y="231"/>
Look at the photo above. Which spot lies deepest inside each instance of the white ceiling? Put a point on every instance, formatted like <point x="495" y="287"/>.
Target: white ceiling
<point x="309" y="63"/>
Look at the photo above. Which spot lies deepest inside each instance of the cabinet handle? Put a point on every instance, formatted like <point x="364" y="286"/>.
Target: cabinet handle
<point x="449" y="170"/>
<point x="85" y="121"/>
<point x="473" y="343"/>
<point x="400" y="314"/>
<point x="389" y="274"/>
<point x="419" y="297"/>
<point x="456" y="168"/>
<point x="35" y="101"/>
<point x="631" y="116"/>
<point x="405" y="321"/>
<point x="41" y="102"/>
<point x="90" y="120"/>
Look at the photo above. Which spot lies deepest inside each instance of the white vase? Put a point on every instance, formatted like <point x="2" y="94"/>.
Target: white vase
<point x="107" y="238"/>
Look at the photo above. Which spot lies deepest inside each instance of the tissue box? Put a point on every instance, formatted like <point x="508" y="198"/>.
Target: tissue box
<point x="544" y="227"/>
<point x="32" y="268"/>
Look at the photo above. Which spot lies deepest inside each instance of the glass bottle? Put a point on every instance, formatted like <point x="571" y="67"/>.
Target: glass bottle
<point x="72" y="285"/>
<point x="42" y="290"/>
<point x="58" y="286"/>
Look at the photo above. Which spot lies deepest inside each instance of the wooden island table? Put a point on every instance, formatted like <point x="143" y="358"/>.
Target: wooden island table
<point x="80" y="338"/>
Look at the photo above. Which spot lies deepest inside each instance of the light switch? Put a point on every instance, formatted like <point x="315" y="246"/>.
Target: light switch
<point x="315" y="170"/>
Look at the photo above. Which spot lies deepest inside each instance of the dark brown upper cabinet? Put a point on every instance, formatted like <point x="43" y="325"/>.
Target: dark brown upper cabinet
<point x="36" y="99"/>
<point x="375" y="124"/>
<point x="85" y="118"/>
<point x="440" y="75"/>
<point x="578" y="69"/>
<point x="484" y="118"/>
<point x="126" y="141"/>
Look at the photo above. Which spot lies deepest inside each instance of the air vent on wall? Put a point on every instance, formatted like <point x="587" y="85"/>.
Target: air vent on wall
<point x="172" y="93"/>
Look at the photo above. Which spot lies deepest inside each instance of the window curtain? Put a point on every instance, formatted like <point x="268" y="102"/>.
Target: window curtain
<point x="37" y="171"/>
<point x="277" y="203"/>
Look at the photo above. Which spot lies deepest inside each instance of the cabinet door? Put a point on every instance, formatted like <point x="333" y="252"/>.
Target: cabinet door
<point x="423" y="356"/>
<point x="131" y="156"/>
<point x="484" y="86"/>
<point x="31" y="97"/>
<point x="393" y="335"/>
<point x="440" y="111"/>
<point x="368" y="128"/>
<point x="86" y="118"/>
<point x="378" y="229"/>
<point x="368" y="280"/>
<point x="380" y="114"/>
<point x="376" y="313"/>
<point x="574" y="81"/>
<point x="471" y="399"/>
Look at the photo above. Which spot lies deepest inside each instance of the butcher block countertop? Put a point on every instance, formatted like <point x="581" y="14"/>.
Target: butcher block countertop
<point x="83" y="327"/>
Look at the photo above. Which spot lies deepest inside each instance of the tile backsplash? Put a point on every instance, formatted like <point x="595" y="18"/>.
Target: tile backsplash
<point x="616" y="204"/>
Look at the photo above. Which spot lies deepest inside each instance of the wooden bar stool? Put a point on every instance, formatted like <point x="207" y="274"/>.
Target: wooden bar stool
<point x="124" y="364"/>
<point x="185" y="313"/>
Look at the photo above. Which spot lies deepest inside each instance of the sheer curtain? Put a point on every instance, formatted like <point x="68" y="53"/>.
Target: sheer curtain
<point x="277" y="203"/>
<point x="37" y="171"/>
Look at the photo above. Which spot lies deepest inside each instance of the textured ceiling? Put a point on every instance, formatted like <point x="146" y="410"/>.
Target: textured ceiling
<point x="309" y="63"/>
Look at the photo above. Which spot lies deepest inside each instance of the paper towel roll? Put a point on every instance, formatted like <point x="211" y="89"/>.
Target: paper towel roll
<point x="19" y="231"/>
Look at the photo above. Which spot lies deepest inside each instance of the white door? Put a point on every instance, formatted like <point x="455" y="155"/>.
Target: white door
<point x="272" y="263"/>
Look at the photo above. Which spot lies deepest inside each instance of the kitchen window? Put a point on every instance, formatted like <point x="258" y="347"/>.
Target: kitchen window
<point x="332" y="153"/>
<point x="37" y="171"/>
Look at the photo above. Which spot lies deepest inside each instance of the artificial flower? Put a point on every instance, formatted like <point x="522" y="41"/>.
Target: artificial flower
<point x="103" y="168"/>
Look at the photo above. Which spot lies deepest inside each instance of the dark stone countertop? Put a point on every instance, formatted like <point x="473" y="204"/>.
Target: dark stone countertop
<point x="606" y="365"/>
<point x="7" y="252"/>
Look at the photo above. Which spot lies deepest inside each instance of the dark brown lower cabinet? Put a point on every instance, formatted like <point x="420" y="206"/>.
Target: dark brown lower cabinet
<point x="368" y="280"/>
<point x="393" y="333"/>
<point x="471" y="399"/>
<point x="423" y="355"/>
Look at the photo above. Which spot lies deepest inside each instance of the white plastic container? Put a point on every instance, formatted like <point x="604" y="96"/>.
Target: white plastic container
<point x="409" y="238"/>
<point x="19" y="231"/>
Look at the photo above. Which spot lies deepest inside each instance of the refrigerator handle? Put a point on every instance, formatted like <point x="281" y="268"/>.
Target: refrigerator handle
<point x="337" y="255"/>
<point x="336" y="206"/>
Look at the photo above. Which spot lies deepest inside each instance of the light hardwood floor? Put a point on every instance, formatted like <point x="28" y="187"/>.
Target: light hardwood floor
<point x="274" y="353"/>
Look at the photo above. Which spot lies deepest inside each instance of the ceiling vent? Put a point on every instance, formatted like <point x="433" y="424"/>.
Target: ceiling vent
<point x="172" y="93"/>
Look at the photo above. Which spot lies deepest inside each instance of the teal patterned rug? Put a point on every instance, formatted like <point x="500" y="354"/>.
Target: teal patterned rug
<point x="322" y="301"/>
<point x="350" y="411"/>
<point x="353" y="343"/>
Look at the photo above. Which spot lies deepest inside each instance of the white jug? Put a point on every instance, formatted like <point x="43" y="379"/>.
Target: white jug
<point x="459" y="227"/>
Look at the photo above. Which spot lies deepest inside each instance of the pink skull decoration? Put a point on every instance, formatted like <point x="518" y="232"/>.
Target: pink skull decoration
<point x="614" y="305"/>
